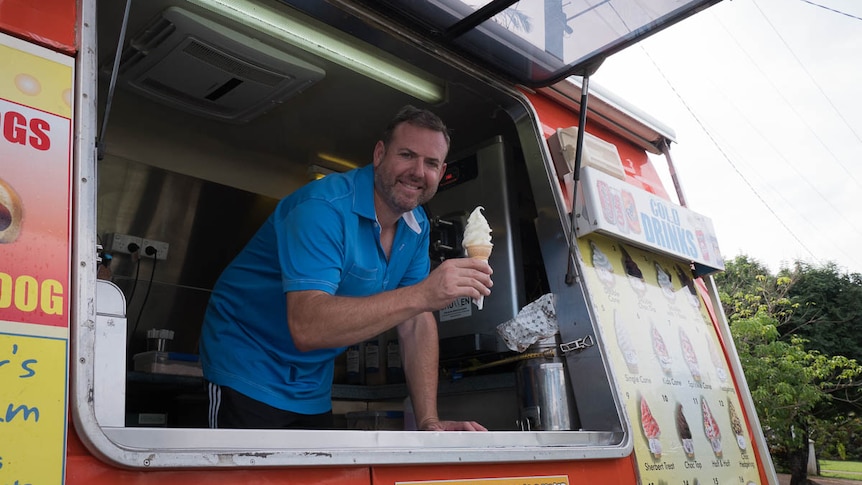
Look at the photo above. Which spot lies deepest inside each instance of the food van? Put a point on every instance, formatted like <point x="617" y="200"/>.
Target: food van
<point x="143" y="142"/>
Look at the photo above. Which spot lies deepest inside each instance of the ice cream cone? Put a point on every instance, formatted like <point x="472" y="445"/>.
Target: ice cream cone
<point x="477" y="240"/>
<point x="480" y="251"/>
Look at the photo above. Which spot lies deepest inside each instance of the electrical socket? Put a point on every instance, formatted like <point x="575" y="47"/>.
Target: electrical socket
<point x="119" y="243"/>
<point x="160" y="247"/>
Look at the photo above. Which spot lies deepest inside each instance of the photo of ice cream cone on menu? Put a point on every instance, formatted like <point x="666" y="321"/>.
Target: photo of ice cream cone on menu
<point x="651" y="430"/>
<point x="604" y="268"/>
<point x="684" y="432"/>
<point x="477" y="241"/>
<point x="710" y="428"/>
<point x="736" y="425"/>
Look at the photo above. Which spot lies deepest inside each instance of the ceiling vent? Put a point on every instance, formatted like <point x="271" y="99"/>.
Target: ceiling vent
<point x="191" y="63"/>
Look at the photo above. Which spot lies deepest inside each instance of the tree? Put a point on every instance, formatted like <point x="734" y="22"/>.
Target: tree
<point x="839" y="438"/>
<point x="746" y="287"/>
<point x="787" y="383"/>
<point x="828" y="310"/>
<point x="794" y="385"/>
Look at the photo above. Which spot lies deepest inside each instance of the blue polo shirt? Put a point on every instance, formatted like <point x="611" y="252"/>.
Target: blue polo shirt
<point x="324" y="236"/>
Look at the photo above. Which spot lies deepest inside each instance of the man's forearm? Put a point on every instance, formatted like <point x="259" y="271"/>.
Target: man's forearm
<point x="319" y="320"/>
<point x="419" y="350"/>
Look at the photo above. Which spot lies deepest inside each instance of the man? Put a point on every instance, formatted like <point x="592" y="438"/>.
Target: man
<point x="338" y="262"/>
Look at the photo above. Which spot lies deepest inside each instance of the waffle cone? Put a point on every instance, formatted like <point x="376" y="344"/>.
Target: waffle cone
<point x="480" y="251"/>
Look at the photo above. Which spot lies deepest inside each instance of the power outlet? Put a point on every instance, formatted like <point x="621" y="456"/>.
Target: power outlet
<point x="120" y="243"/>
<point x="160" y="247"/>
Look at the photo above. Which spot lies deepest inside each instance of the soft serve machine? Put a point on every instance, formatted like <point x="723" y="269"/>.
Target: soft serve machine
<point x="486" y="177"/>
<point x="481" y="178"/>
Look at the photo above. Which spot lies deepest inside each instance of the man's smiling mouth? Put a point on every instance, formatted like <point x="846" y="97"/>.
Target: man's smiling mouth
<point x="409" y="186"/>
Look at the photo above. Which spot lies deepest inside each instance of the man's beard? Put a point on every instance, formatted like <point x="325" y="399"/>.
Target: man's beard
<point x="394" y="200"/>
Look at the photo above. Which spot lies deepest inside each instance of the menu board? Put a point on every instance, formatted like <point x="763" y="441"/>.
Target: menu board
<point x="672" y="375"/>
<point x="35" y="163"/>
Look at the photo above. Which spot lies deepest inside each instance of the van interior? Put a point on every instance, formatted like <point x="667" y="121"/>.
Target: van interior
<point x="209" y="115"/>
<point x="206" y="123"/>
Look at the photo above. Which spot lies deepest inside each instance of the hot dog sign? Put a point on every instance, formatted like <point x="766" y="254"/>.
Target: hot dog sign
<point x="35" y="151"/>
<point x="35" y="169"/>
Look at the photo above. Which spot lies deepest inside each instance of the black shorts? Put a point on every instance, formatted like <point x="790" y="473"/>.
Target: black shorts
<point x="231" y="409"/>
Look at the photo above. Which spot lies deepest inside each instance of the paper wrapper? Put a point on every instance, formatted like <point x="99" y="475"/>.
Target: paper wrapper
<point x="482" y="252"/>
<point x="536" y="321"/>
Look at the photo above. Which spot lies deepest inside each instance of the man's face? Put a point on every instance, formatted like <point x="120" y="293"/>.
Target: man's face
<point x="408" y="170"/>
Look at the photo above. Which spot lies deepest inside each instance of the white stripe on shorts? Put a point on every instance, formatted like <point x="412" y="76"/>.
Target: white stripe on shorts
<point x="215" y="402"/>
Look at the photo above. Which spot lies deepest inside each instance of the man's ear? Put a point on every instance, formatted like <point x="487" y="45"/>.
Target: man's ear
<point x="379" y="151"/>
<point x="442" y="172"/>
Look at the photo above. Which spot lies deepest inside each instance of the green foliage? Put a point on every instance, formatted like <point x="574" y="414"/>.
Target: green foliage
<point x="797" y="384"/>
<point x="838" y="438"/>
<point x="747" y="288"/>
<point x="828" y="309"/>
<point x="783" y="377"/>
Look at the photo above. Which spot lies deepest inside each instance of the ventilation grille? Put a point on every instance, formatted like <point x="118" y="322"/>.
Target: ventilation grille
<point x="231" y="65"/>
<point x="197" y="65"/>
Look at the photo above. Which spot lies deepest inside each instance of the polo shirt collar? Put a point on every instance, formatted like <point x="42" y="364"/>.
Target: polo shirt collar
<point x="363" y="199"/>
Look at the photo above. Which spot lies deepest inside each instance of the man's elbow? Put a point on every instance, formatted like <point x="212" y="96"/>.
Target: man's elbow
<point x="303" y="347"/>
<point x="302" y="321"/>
<point x="305" y="344"/>
<point x="303" y="339"/>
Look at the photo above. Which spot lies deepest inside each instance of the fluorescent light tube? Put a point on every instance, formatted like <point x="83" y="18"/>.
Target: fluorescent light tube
<point x="334" y="46"/>
<point x="337" y="160"/>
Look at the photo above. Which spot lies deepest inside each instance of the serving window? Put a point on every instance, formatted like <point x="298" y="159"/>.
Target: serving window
<point x="199" y="185"/>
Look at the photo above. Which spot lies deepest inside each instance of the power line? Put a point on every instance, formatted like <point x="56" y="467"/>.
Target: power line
<point x="831" y="9"/>
<point x="724" y="154"/>
<point x="817" y="85"/>
<point x="790" y="105"/>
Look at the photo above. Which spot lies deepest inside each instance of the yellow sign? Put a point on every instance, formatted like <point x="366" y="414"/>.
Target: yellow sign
<point x="32" y="409"/>
<point x="555" y="480"/>
<point x="672" y="374"/>
<point x="45" y="86"/>
<point x="35" y="162"/>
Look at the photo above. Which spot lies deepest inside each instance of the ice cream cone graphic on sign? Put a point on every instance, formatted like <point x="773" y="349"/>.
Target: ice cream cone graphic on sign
<point x="477" y="241"/>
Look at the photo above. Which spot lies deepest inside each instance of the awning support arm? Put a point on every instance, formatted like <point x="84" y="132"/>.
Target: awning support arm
<point x="576" y="176"/>
<point x="100" y="143"/>
<point x="474" y="19"/>
<point x="664" y="146"/>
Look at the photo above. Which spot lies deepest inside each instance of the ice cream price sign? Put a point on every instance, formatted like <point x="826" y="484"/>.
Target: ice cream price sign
<point x="35" y="163"/>
<point x="686" y="417"/>
<point x="613" y="207"/>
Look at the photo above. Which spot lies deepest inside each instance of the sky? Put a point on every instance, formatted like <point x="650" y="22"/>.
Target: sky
<point x="765" y="100"/>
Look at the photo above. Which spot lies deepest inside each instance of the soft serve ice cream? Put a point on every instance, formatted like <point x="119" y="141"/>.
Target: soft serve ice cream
<point x="477" y="240"/>
<point x="477" y="234"/>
